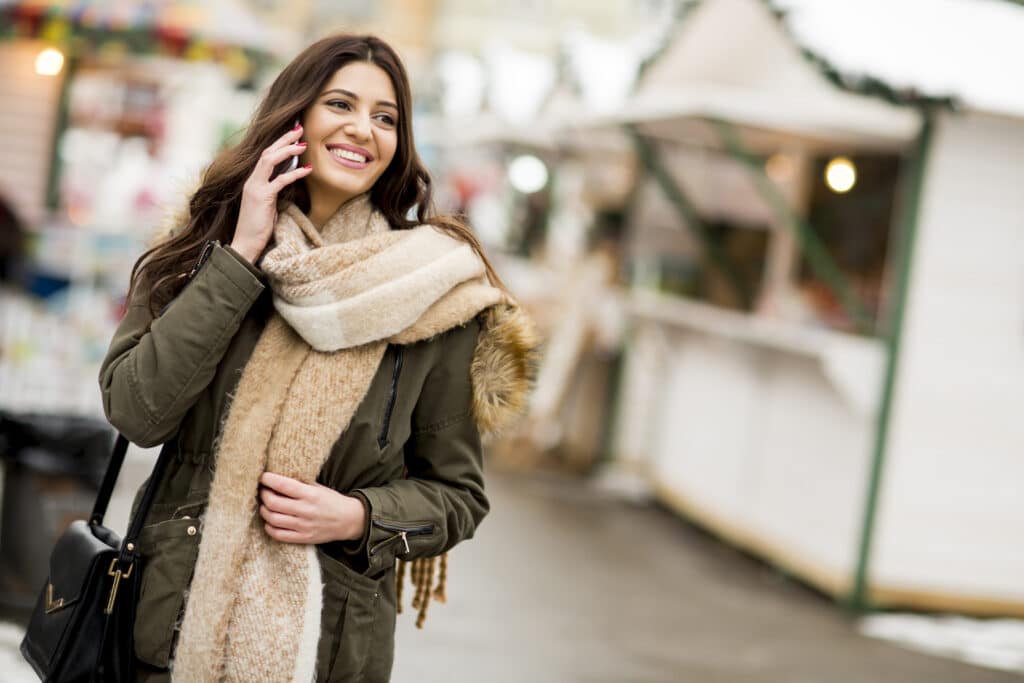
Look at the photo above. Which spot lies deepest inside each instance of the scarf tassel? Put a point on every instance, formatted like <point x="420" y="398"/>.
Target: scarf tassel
<point x="421" y="572"/>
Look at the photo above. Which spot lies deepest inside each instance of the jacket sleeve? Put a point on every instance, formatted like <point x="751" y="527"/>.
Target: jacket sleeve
<point x="442" y="500"/>
<point x="150" y="378"/>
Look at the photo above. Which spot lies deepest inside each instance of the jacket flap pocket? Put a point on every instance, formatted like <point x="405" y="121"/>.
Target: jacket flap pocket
<point x="170" y="549"/>
<point x="164" y="531"/>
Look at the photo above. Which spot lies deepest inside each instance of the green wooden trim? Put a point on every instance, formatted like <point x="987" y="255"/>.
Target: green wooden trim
<point x="821" y="262"/>
<point x="687" y="210"/>
<point x="617" y="380"/>
<point x="679" y="18"/>
<point x="902" y="263"/>
<point x="59" y="126"/>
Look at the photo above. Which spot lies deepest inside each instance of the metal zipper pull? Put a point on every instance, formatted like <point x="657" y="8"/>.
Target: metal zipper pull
<point x="203" y="256"/>
<point x="400" y="534"/>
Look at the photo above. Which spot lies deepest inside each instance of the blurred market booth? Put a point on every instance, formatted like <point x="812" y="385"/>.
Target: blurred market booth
<point x="849" y="181"/>
<point x="109" y="109"/>
<point x="781" y="274"/>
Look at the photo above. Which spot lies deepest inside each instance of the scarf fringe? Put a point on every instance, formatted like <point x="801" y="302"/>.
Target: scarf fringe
<point x="421" y="572"/>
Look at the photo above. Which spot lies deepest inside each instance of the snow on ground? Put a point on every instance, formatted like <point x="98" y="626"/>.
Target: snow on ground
<point x="14" y="668"/>
<point x="992" y="643"/>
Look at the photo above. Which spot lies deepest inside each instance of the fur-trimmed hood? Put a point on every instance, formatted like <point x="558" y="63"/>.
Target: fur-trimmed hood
<point x="504" y="367"/>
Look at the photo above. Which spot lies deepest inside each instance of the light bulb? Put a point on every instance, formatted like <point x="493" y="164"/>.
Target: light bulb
<point x="780" y="167"/>
<point x="527" y="173"/>
<point x="49" y="62"/>
<point x="840" y="175"/>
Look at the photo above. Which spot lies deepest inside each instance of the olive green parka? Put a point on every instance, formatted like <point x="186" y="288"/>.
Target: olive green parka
<point x="411" y="454"/>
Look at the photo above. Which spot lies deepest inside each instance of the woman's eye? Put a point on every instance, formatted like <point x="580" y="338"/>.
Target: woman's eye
<point x="386" y="119"/>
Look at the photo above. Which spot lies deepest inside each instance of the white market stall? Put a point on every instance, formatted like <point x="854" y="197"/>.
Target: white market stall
<point x="879" y="467"/>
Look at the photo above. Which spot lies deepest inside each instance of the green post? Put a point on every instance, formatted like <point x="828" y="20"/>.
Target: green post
<point x="686" y="209"/>
<point x="59" y="126"/>
<point x="902" y="261"/>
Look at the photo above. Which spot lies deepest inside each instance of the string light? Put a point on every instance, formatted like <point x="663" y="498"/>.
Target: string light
<point x="840" y="175"/>
<point x="780" y="167"/>
<point x="49" y="62"/>
<point x="527" y="173"/>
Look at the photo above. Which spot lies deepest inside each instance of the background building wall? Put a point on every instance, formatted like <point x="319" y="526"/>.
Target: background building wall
<point x="950" y="506"/>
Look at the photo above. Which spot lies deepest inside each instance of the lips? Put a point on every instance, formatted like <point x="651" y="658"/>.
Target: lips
<point x="352" y="148"/>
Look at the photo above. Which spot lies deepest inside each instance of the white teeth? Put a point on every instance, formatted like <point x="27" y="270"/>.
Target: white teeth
<point x="345" y="154"/>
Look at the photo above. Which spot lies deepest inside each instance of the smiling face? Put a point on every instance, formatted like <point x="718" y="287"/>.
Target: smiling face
<point x="351" y="132"/>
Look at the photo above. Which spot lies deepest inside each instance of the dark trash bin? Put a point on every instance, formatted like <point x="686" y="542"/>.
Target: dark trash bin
<point x="53" y="466"/>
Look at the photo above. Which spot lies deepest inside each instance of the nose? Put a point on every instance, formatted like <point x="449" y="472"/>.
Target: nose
<point x="358" y="127"/>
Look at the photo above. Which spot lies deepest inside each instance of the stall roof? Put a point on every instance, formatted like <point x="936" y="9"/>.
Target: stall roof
<point x="734" y="60"/>
<point x="800" y="71"/>
<point x="969" y="51"/>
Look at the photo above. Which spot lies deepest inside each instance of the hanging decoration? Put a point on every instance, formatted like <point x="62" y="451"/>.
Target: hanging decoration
<point x="111" y="29"/>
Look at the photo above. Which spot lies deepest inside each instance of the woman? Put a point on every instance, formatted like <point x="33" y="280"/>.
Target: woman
<point x="323" y="367"/>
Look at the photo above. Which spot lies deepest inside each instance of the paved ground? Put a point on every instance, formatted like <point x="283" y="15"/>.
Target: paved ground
<point x="564" y="584"/>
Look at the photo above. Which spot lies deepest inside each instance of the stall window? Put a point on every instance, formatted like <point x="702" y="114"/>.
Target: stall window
<point x="854" y="227"/>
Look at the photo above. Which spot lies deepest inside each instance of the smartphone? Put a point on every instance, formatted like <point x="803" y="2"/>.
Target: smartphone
<point x="288" y="164"/>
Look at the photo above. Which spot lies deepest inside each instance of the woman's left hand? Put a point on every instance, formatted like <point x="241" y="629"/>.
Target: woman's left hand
<point x="294" y="512"/>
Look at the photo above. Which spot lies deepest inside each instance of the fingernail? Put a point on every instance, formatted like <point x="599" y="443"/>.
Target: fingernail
<point x="300" y="144"/>
<point x="308" y="166"/>
<point x="297" y="126"/>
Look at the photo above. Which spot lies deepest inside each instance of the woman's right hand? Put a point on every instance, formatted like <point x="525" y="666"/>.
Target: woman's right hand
<point x="258" y="211"/>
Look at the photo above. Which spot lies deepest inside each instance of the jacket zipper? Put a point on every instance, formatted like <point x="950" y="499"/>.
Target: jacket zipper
<point x="203" y="256"/>
<point x="402" y="533"/>
<point x="382" y="438"/>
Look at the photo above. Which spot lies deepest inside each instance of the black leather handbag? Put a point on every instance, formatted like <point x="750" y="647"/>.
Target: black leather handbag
<point x="81" y="627"/>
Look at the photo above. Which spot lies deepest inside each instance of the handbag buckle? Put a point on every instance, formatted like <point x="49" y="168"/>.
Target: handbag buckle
<point x="118" y="575"/>
<point x="113" y="563"/>
<point x="51" y="604"/>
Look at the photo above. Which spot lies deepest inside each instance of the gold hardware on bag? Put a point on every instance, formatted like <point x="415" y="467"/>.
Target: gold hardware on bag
<point x="116" y="573"/>
<point x="113" y="563"/>
<point x="51" y="604"/>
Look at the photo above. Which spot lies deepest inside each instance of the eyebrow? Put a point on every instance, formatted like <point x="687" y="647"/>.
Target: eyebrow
<point x="349" y="93"/>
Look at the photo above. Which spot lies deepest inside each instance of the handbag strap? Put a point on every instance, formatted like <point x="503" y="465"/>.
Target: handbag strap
<point x="129" y="547"/>
<point x="99" y="508"/>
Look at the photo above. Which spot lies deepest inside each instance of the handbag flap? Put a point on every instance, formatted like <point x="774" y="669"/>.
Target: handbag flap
<point x="73" y="558"/>
<point x="65" y="634"/>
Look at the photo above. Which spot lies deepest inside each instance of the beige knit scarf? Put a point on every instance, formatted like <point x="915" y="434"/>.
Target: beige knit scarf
<point x="340" y="295"/>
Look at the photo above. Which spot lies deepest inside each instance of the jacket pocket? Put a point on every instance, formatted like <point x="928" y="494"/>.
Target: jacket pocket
<point x="357" y="625"/>
<point x="396" y="535"/>
<point x="169" y="551"/>
<point x="384" y="437"/>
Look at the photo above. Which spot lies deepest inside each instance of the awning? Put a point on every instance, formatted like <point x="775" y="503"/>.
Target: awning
<point x="221" y="31"/>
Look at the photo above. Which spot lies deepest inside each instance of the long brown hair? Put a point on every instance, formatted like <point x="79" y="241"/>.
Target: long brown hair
<point x="213" y="209"/>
